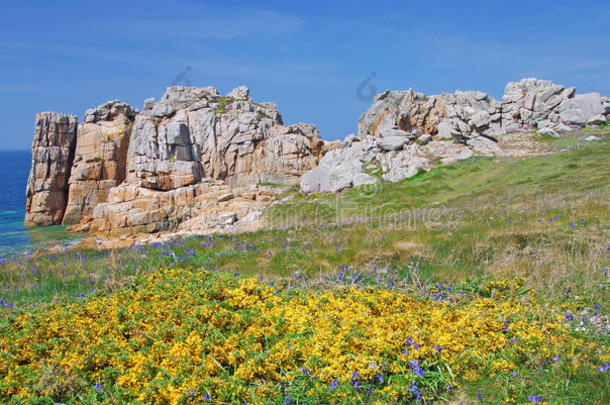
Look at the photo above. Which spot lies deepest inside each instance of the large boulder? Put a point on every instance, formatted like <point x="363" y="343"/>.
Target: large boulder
<point x="533" y="102"/>
<point x="100" y="158"/>
<point x="389" y="143"/>
<point x="338" y="169"/>
<point x="52" y="156"/>
<point x="240" y="93"/>
<point x="581" y="108"/>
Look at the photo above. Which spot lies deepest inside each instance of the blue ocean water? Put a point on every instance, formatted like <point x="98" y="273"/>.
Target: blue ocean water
<point x="15" y="238"/>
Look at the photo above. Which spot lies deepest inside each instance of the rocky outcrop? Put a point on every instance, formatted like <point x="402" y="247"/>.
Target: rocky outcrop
<point x="193" y="134"/>
<point x="52" y="156"/>
<point x="541" y="103"/>
<point x="205" y="207"/>
<point x="100" y="158"/>
<point x="405" y="132"/>
<point x="180" y="160"/>
<point x="408" y="114"/>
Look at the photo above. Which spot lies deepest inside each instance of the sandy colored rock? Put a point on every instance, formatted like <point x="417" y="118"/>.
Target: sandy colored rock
<point x="193" y="134"/>
<point x="52" y="156"/>
<point x="100" y="158"/>
<point x="132" y="210"/>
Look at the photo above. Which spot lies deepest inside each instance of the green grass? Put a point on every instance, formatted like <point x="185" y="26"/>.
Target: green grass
<point x="223" y="102"/>
<point x="544" y="218"/>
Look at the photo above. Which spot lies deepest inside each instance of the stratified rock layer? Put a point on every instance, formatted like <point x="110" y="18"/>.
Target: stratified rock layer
<point x="52" y="155"/>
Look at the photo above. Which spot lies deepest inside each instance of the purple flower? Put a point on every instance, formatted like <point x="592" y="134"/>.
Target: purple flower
<point x="98" y="387"/>
<point x="479" y="395"/>
<point x="380" y="378"/>
<point x="205" y="397"/>
<point x="416" y="391"/>
<point x="409" y="341"/>
<point x="437" y="348"/>
<point x="416" y="368"/>
<point x="288" y="401"/>
<point x="334" y="385"/>
<point x="556" y="358"/>
<point x="569" y="317"/>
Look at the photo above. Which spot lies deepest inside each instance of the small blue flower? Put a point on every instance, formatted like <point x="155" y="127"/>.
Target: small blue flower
<point x="288" y="401"/>
<point x="479" y="395"/>
<point x="334" y="385"/>
<point x="98" y="387"/>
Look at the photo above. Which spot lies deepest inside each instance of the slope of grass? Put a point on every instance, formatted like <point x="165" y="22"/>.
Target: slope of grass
<point x="449" y="238"/>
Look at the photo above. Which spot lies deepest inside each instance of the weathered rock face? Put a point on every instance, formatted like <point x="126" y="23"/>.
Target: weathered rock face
<point x="409" y="114"/>
<point x="131" y="210"/>
<point x="541" y="103"/>
<point x="406" y="131"/>
<point x="157" y="169"/>
<point x="52" y="156"/>
<point x="100" y="158"/>
<point x="193" y="134"/>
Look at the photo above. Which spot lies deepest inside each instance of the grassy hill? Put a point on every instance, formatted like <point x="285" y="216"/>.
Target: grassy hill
<point x="481" y="282"/>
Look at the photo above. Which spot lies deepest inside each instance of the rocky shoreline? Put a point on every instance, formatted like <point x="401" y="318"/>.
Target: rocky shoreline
<point x="196" y="162"/>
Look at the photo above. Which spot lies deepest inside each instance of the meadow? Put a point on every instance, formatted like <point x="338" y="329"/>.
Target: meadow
<point x="481" y="282"/>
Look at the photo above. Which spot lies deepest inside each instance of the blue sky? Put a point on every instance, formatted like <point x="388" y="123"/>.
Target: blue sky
<point x="309" y="57"/>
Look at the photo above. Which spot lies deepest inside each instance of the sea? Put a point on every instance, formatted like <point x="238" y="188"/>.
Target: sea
<point x="15" y="238"/>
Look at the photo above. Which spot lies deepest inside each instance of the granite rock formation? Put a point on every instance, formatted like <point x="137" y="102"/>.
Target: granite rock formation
<point x="100" y="158"/>
<point x="193" y="134"/>
<point x="52" y="156"/>
<point x="406" y="131"/>
<point x="192" y="154"/>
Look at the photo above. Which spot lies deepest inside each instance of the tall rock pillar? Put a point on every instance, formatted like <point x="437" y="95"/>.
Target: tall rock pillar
<point x="52" y="155"/>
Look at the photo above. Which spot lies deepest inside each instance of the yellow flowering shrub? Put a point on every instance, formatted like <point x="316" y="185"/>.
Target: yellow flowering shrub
<point x="183" y="336"/>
